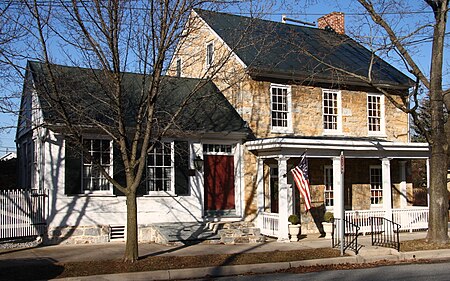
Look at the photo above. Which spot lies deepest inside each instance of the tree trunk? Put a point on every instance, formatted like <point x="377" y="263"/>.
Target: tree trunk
<point x="131" y="248"/>
<point x="438" y="221"/>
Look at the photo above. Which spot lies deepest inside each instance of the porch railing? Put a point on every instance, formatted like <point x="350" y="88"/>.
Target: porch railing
<point x="409" y="219"/>
<point x="269" y="224"/>
<point x="362" y="218"/>
<point x="351" y="232"/>
<point x="385" y="233"/>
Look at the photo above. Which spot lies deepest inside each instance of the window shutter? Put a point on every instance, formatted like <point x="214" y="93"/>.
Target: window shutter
<point x="72" y="169"/>
<point x="182" y="168"/>
<point x="118" y="170"/>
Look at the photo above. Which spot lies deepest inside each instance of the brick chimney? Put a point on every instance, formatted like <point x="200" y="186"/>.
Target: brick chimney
<point x="334" y="21"/>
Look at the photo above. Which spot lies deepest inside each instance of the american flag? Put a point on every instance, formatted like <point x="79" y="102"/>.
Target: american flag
<point x="300" y="174"/>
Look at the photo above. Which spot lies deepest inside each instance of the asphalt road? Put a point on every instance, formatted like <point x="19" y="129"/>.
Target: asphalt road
<point x="416" y="272"/>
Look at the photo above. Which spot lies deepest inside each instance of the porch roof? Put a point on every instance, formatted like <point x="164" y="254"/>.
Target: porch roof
<point x="320" y="147"/>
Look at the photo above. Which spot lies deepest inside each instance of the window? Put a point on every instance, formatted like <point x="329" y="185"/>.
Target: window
<point x="217" y="148"/>
<point x="375" y="113"/>
<point x="97" y="155"/>
<point x="332" y="111"/>
<point x="280" y="105"/>
<point x="159" y="168"/>
<point x="376" y="188"/>
<point x="209" y="54"/>
<point x="178" y="70"/>
<point x="328" y="190"/>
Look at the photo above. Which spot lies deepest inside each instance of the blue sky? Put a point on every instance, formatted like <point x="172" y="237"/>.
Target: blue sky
<point x="307" y="10"/>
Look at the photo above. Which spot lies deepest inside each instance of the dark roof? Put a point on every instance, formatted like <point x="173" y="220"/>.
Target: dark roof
<point x="286" y="51"/>
<point x="84" y="92"/>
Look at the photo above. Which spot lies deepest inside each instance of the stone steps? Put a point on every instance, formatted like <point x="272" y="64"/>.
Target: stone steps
<point x="186" y="232"/>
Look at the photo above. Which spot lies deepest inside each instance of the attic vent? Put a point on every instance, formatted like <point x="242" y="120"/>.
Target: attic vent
<point x="116" y="232"/>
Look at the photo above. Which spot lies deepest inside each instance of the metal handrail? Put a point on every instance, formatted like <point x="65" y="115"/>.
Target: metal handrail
<point x="385" y="233"/>
<point x="351" y="233"/>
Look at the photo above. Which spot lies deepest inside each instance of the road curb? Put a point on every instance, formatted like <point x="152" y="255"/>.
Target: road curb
<point x="230" y="270"/>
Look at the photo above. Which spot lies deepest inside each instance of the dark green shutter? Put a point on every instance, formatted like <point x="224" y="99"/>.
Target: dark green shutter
<point x="182" y="168"/>
<point x="118" y="170"/>
<point x="73" y="166"/>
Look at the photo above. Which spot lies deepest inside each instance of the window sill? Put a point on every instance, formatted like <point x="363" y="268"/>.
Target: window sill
<point x="332" y="133"/>
<point x="379" y="135"/>
<point x="376" y="206"/>
<point x="160" y="194"/>
<point x="96" y="195"/>
<point x="281" y="131"/>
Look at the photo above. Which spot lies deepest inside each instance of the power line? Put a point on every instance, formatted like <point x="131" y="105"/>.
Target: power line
<point x="57" y="4"/>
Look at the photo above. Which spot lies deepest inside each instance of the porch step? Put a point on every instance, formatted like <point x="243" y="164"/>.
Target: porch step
<point x="372" y="251"/>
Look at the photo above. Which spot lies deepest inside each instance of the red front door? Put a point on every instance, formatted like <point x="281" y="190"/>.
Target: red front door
<point x="219" y="182"/>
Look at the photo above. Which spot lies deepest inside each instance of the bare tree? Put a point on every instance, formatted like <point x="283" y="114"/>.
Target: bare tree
<point x="437" y="134"/>
<point x="113" y="38"/>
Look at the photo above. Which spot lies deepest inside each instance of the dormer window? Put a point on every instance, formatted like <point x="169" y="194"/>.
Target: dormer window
<point x="209" y="54"/>
<point x="178" y="68"/>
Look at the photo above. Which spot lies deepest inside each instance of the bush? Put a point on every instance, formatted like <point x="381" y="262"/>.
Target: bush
<point x="328" y="217"/>
<point x="293" y="219"/>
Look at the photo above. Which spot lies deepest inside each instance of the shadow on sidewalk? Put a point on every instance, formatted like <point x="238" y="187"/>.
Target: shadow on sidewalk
<point x="30" y="269"/>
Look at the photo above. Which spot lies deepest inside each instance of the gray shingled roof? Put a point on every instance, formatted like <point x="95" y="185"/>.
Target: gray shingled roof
<point x="86" y="89"/>
<point x="285" y="51"/>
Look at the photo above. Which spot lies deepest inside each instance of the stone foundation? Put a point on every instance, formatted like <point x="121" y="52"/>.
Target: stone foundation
<point x="240" y="232"/>
<point x="77" y="235"/>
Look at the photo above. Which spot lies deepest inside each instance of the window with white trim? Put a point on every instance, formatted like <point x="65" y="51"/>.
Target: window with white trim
<point x="375" y="113"/>
<point x="376" y="185"/>
<point x="328" y="183"/>
<point x="159" y="168"/>
<point x="97" y="155"/>
<point x="332" y="117"/>
<point x="280" y="97"/>
<point x="209" y="54"/>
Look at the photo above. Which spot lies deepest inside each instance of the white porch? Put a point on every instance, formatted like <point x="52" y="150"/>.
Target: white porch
<point x="280" y="150"/>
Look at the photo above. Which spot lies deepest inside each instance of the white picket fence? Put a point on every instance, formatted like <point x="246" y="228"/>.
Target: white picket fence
<point x="412" y="219"/>
<point x="22" y="213"/>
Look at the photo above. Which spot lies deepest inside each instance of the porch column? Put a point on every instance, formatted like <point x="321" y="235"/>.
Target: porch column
<point x="403" y="193"/>
<point x="283" y="203"/>
<point x="386" y="185"/>
<point x="260" y="190"/>
<point x="338" y="187"/>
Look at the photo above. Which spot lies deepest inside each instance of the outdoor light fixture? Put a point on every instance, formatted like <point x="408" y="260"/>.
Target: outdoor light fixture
<point x="198" y="163"/>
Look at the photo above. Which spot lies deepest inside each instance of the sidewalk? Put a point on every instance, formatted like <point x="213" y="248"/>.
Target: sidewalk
<point x="108" y="251"/>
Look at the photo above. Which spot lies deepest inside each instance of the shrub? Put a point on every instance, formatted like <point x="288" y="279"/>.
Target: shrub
<point x="293" y="219"/>
<point x="328" y="216"/>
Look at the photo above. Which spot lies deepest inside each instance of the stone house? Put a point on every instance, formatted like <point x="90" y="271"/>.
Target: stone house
<point x="82" y="205"/>
<point x="304" y="89"/>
